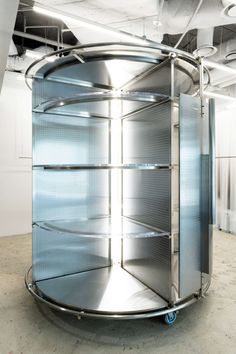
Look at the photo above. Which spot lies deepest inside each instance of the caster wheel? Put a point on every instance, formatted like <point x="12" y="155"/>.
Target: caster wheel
<point x="170" y="318"/>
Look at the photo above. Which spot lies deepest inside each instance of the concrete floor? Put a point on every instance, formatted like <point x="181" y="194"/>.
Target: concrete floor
<point x="208" y="326"/>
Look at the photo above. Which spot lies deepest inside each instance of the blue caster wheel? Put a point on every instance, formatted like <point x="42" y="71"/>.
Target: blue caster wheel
<point x="170" y="318"/>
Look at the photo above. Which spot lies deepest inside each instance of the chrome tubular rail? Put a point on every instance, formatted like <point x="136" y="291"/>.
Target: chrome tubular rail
<point x="154" y="48"/>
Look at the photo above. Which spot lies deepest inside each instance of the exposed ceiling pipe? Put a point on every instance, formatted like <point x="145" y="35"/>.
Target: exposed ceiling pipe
<point x="12" y="49"/>
<point x="205" y="46"/>
<point x="63" y="16"/>
<point x="40" y="39"/>
<point x="189" y="23"/>
<point x="8" y="14"/>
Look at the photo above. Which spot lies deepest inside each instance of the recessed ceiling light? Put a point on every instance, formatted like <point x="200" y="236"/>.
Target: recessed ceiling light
<point x="230" y="56"/>
<point x="229" y="11"/>
<point x="205" y="51"/>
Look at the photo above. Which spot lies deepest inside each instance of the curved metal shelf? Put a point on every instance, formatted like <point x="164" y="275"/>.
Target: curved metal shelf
<point x="104" y="227"/>
<point x="99" y="97"/>
<point x="104" y="167"/>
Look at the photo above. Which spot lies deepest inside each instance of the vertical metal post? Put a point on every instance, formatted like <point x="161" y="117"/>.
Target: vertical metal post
<point x="212" y="160"/>
<point x="172" y="76"/>
<point x="201" y="84"/>
<point x="173" y="289"/>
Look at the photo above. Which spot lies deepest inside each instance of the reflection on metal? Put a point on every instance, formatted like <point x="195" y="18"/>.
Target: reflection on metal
<point x="120" y="171"/>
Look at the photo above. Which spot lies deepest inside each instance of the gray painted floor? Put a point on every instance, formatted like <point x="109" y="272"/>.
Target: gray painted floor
<point x="208" y="326"/>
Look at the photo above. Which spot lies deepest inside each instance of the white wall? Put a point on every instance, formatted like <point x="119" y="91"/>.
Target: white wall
<point x="15" y="156"/>
<point x="226" y="166"/>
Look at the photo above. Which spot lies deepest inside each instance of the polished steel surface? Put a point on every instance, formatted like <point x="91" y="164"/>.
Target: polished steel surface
<point x="146" y="136"/>
<point x="146" y="197"/>
<point x="61" y="140"/>
<point x="80" y="313"/>
<point x="149" y="261"/>
<point x="105" y="290"/>
<point x="190" y="187"/>
<point x="75" y="104"/>
<point x="103" y="227"/>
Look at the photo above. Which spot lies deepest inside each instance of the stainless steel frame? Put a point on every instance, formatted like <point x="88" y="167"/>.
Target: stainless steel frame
<point x="163" y="185"/>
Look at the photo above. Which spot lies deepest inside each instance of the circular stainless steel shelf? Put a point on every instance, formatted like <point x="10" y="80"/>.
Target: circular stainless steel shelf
<point x="104" y="227"/>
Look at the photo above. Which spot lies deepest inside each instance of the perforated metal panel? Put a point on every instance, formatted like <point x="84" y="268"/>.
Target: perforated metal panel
<point x="146" y="136"/>
<point x="56" y="254"/>
<point x="59" y="139"/>
<point x="70" y="194"/>
<point x="146" y="197"/>
<point x="190" y="194"/>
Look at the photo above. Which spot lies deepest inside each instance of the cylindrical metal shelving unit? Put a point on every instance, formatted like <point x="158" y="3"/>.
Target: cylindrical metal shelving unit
<point x="122" y="181"/>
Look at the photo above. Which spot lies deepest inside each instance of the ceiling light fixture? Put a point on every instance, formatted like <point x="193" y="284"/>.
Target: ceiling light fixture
<point x="86" y="23"/>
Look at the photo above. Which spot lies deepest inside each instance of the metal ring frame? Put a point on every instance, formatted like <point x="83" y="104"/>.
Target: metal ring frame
<point x="166" y="51"/>
<point x="81" y="313"/>
<point x="101" y="96"/>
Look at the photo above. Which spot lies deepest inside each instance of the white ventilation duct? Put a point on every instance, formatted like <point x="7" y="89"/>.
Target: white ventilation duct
<point x="12" y="49"/>
<point x="20" y="64"/>
<point x="226" y="55"/>
<point x="205" y="46"/>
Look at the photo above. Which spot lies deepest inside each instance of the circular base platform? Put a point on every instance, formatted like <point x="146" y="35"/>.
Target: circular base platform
<point x="103" y="306"/>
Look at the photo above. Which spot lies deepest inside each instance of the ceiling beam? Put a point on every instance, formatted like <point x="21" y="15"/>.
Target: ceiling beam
<point x="41" y="39"/>
<point x="8" y="14"/>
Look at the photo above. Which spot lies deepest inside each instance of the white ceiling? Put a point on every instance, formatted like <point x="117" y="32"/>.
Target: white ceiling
<point x="138" y="16"/>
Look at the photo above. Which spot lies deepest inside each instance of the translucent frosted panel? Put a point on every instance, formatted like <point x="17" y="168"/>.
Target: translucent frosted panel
<point x="69" y="140"/>
<point x="70" y="194"/>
